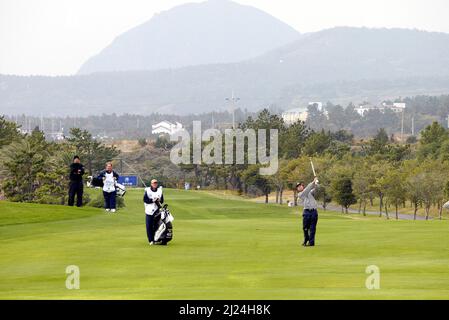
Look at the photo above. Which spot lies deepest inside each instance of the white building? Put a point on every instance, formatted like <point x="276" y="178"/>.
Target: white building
<point x="294" y="115"/>
<point x="395" y="107"/>
<point x="363" y="109"/>
<point x="166" y="127"/>
<point x="301" y="114"/>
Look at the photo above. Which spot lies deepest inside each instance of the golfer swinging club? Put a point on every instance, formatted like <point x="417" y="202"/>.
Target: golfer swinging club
<point x="310" y="214"/>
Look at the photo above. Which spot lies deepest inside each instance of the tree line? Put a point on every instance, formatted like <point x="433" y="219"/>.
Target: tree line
<point x="350" y="171"/>
<point x="421" y="111"/>
<point x="33" y="169"/>
<point x="378" y="170"/>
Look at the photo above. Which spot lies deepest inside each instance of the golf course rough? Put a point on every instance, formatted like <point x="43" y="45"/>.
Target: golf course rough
<point x="222" y="249"/>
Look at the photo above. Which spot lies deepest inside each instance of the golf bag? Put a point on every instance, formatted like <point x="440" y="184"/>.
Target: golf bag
<point x="95" y="182"/>
<point x="121" y="189"/>
<point x="163" y="226"/>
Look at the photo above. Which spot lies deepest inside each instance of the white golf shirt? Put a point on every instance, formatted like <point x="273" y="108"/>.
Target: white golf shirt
<point x="151" y="208"/>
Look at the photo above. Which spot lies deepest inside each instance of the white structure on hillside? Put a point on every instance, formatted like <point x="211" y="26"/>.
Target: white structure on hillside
<point x="363" y="109"/>
<point x="301" y="114"/>
<point x="395" y="107"/>
<point x="294" y="115"/>
<point x="166" y="127"/>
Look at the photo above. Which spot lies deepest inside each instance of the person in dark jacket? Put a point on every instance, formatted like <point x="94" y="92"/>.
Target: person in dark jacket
<point x="76" y="182"/>
<point x="153" y="199"/>
<point x="109" y="178"/>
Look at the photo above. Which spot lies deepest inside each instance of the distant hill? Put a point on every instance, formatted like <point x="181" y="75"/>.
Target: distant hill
<point x="216" y="31"/>
<point x="361" y="53"/>
<point x="340" y="64"/>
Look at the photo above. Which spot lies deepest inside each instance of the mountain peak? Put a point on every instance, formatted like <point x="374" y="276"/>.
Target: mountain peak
<point x="215" y="31"/>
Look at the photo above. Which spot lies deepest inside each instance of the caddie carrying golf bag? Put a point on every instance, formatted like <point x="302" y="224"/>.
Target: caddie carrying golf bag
<point x="163" y="226"/>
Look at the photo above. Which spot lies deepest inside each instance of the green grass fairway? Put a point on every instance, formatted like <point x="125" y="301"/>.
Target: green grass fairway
<point x="223" y="248"/>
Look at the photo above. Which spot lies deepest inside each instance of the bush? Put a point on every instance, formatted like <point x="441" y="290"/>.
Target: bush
<point x="411" y="140"/>
<point x="98" y="202"/>
<point x="142" y="142"/>
<point x="164" y="143"/>
<point x="49" y="199"/>
<point x="86" y="199"/>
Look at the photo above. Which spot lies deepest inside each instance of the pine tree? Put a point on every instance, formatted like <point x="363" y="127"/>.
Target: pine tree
<point x="21" y="162"/>
<point x="343" y="193"/>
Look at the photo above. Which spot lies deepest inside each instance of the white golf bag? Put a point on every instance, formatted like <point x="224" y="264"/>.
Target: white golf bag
<point x="120" y="189"/>
<point x="164" y="227"/>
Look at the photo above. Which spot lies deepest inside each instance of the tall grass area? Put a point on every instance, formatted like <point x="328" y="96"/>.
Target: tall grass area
<point x="224" y="247"/>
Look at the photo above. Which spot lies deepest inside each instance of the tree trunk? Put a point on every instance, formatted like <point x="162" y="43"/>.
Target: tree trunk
<point x="277" y="195"/>
<point x="380" y="205"/>
<point x="427" y="212"/>
<point x="324" y="200"/>
<point x="397" y="214"/>
<point x="360" y="206"/>
<point x="415" y="211"/>
<point x="364" y="208"/>
<point x="217" y="181"/>
<point x="386" y="211"/>
<point x="281" y="193"/>
<point x="295" y="198"/>
<point x="266" y="197"/>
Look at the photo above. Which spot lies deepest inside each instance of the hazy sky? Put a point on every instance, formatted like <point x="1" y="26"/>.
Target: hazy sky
<point x="54" y="37"/>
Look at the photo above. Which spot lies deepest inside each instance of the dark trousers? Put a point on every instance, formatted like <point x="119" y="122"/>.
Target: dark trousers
<point x="309" y="222"/>
<point x="76" y="188"/>
<point x="109" y="199"/>
<point x="149" y="220"/>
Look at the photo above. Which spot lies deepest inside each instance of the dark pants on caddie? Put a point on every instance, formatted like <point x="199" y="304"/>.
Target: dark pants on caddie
<point x="76" y="188"/>
<point x="309" y="222"/>
<point x="109" y="199"/>
<point x="149" y="220"/>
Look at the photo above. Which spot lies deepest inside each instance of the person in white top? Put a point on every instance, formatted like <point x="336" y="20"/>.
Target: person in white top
<point x="153" y="199"/>
<point x="110" y="178"/>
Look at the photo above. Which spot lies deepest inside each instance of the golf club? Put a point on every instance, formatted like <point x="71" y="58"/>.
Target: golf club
<point x="313" y="169"/>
